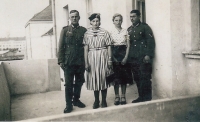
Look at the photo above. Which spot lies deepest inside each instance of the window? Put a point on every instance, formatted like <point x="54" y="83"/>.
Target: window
<point x="140" y="5"/>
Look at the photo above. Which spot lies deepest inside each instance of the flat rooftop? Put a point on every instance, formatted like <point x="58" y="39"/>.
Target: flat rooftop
<point x="53" y="103"/>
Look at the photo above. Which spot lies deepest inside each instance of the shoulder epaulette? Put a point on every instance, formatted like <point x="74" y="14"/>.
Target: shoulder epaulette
<point x="83" y="27"/>
<point x="65" y="27"/>
<point x="129" y="27"/>
<point x="144" y="23"/>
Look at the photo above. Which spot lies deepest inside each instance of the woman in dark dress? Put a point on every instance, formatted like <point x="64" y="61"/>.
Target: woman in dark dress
<point x="120" y="50"/>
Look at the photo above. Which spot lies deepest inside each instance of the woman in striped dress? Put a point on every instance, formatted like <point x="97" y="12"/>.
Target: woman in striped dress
<point x="97" y="51"/>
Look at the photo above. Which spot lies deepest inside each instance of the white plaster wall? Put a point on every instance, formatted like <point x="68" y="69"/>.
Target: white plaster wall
<point x="32" y="76"/>
<point x="158" y="18"/>
<point x="42" y="47"/>
<point x="175" y="26"/>
<point x="127" y="14"/>
<point x="106" y="10"/>
<point x="39" y="47"/>
<point x="28" y="48"/>
<point x="109" y="9"/>
<point x="193" y="81"/>
<point x="60" y="13"/>
<point x="180" y="35"/>
<point x="38" y="29"/>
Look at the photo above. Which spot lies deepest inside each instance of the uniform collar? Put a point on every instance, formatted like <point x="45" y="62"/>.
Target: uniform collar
<point x="136" y="25"/>
<point x="74" y="27"/>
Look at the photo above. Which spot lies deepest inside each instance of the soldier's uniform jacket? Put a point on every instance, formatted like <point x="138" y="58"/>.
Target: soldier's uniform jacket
<point x="141" y="41"/>
<point x="71" y="50"/>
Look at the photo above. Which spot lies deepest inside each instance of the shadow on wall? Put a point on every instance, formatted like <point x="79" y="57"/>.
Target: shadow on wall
<point x="5" y="105"/>
<point x="32" y="76"/>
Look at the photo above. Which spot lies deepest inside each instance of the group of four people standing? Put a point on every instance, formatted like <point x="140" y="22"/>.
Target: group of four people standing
<point x="91" y="55"/>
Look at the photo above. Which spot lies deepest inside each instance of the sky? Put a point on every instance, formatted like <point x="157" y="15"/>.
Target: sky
<point x="14" y="14"/>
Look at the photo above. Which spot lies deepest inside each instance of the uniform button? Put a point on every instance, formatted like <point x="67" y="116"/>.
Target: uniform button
<point x="134" y="35"/>
<point x="135" y="45"/>
<point x="133" y="31"/>
<point x="76" y="44"/>
<point x="142" y="42"/>
<point x="134" y="40"/>
<point x="68" y="46"/>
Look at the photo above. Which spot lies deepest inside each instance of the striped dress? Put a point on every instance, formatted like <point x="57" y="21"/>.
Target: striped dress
<point x="97" y="58"/>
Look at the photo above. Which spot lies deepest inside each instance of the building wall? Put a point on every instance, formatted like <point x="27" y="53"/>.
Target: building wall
<point x="162" y="69"/>
<point x="32" y="76"/>
<point x="109" y="9"/>
<point x="5" y="105"/>
<point x="38" y="46"/>
<point x="21" y="45"/>
<point x="61" y="13"/>
<point x="174" y="24"/>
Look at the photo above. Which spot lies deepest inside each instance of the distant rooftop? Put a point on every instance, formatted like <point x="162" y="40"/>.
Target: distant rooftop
<point x="50" y="32"/>
<point x="44" y="15"/>
<point x="13" y="38"/>
<point x="3" y="52"/>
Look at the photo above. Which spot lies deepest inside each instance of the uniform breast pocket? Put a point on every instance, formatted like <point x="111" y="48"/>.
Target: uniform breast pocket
<point x="67" y="55"/>
<point x="143" y="46"/>
<point x="68" y="39"/>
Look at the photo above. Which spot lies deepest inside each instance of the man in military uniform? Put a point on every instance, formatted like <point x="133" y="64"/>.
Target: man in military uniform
<point x="71" y="60"/>
<point x="142" y="45"/>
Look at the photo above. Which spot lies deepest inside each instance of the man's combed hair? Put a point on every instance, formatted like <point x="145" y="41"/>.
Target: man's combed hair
<point x="73" y="11"/>
<point x="136" y="11"/>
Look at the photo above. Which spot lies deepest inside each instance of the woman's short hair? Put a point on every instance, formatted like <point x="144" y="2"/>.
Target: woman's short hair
<point x="93" y="16"/>
<point x="117" y="15"/>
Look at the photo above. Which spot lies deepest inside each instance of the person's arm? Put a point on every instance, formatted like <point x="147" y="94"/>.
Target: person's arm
<point x="61" y="50"/>
<point x="109" y="44"/>
<point x="127" y="50"/>
<point x="150" y="46"/>
<point x="86" y="49"/>
<point x="87" y="67"/>
<point x="110" y="57"/>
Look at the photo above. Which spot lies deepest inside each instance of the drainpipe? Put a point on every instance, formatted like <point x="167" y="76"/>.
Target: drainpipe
<point x="54" y="29"/>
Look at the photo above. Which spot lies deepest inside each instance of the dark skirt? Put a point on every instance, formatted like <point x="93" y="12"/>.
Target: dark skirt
<point x="122" y="73"/>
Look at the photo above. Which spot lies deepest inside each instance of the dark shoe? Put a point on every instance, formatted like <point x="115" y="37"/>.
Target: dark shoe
<point x="123" y="102"/>
<point x="68" y="109"/>
<point x="79" y="104"/>
<point x="96" y="105"/>
<point x="147" y="99"/>
<point x="117" y="102"/>
<point x="137" y="100"/>
<point x="104" y="104"/>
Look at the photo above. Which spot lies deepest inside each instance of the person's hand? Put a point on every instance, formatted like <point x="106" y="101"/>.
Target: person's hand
<point x="110" y="66"/>
<point x="115" y="60"/>
<point x="124" y="61"/>
<point x="146" y="59"/>
<point x="87" y="68"/>
<point x="62" y="66"/>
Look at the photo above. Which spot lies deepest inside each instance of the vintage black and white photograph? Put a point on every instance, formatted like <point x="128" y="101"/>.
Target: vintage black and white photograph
<point x="100" y="60"/>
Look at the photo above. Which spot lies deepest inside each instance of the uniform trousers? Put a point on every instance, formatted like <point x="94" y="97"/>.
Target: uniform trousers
<point x="142" y="76"/>
<point x="73" y="87"/>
